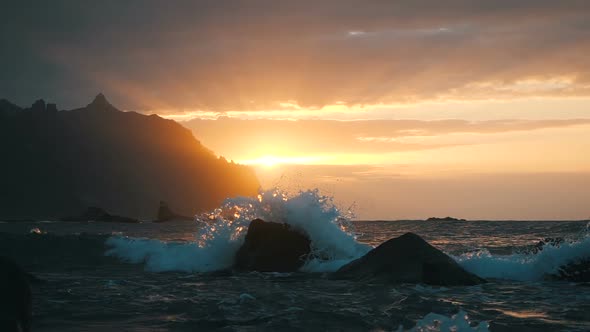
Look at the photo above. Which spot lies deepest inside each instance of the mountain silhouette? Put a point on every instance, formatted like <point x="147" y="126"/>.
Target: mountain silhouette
<point x="58" y="163"/>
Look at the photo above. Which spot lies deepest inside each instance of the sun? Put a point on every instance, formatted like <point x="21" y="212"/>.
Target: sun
<point x="268" y="161"/>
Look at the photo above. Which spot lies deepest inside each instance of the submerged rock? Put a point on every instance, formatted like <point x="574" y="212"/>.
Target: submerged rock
<point x="272" y="247"/>
<point x="408" y="259"/>
<point x="578" y="271"/>
<point x="15" y="298"/>
<point x="98" y="214"/>
<point x="166" y="214"/>
<point x="445" y="219"/>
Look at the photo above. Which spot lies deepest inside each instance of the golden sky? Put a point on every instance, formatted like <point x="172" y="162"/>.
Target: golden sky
<point x="474" y="108"/>
<point x="536" y="168"/>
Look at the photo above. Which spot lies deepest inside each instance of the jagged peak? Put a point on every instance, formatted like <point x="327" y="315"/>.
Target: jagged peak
<point x="38" y="106"/>
<point x="4" y="101"/>
<point x="100" y="101"/>
<point x="7" y="106"/>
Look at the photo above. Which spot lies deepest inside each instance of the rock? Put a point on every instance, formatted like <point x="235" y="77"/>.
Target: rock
<point x="101" y="104"/>
<point x="578" y="271"/>
<point x="272" y="247"/>
<point x="15" y="301"/>
<point x="444" y="219"/>
<point x="98" y="214"/>
<point x="100" y="101"/>
<point x="408" y="259"/>
<point x="8" y="109"/>
<point x="92" y="154"/>
<point x="38" y="106"/>
<point x="51" y="108"/>
<point x="166" y="214"/>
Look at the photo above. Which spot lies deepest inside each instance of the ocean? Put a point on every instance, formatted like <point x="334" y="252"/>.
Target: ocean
<point x="174" y="276"/>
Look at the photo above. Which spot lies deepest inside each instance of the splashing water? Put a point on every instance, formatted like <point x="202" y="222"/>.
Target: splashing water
<point x="436" y="322"/>
<point x="526" y="266"/>
<point x="222" y="232"/>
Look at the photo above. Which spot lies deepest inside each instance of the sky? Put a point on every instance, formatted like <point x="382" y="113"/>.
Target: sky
<point x="398" y="109"/>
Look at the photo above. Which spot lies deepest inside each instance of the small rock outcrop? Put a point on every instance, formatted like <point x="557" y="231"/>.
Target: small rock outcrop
<point x="408" y="259"/>
<point x="166" y="214"/>
<point x="574" y="271"/>
<point x="444" y="219"/>
<point x="272" y="247"/>
<point x="15" y="301"/>
<point x="578" y="271"/>
<point x="98" y="214"/>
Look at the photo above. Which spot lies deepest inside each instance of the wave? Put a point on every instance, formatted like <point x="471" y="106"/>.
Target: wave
<point x="526" y="266"/>
<point x="437" y="322"/>
<point x="222" y="233"/>
<point x="332" y="238"/>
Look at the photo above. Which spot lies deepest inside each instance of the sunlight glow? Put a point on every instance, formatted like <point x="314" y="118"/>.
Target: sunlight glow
<point x="271" y="161"/>
<point x="526" y="107"/>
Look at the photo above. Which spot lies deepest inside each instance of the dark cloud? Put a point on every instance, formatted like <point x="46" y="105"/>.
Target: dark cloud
<point x="251" y="54"/>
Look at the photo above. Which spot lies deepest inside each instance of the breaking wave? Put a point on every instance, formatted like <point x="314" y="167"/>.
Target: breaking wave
<point x="221" y="233"/>
<point x="458" y="322"/>
<point x="527" y="266"/>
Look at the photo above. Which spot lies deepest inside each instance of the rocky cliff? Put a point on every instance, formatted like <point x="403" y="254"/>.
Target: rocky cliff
<point x="58" y="163"/>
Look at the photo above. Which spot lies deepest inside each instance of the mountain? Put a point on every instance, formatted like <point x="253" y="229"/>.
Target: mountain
<point x="58" y="163"/>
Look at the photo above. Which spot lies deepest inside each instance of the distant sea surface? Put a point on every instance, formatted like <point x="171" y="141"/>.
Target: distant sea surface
<point x="158" y="277"/>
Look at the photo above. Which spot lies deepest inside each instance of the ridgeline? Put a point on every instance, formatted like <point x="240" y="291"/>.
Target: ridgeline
<point x="59" y="163"/>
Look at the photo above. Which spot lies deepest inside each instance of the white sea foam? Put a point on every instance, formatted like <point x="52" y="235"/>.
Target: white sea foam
<point x="526" y="267"/>
<point x="169" y="256"/>
<point x="36" y="230"/>
<point x="217" y="241"/>
<point x="436" y="322"/>
<point x="333" y="241"/>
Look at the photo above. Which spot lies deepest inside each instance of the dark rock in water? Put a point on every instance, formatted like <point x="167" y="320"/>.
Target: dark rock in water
<point x="578" y="271"/>
<point x="408" y="259"/>
<point x="272" y="247"/>
<point x="444" y="219"/>
<point x="98" y="214"/>
<point x="166" y="214"/>
<point x="15" y="297"/>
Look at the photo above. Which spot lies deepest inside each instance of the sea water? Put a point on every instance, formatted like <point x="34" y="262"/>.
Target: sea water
<point x="175" y="277"/>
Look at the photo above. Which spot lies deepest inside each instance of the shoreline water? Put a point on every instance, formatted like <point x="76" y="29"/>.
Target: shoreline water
<point x="161" y="275"/>
<point x="143" y="300"/>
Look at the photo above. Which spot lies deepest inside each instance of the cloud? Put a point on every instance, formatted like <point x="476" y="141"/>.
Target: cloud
<point x="237" y="55"/>
<point x="250" y="139"/>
